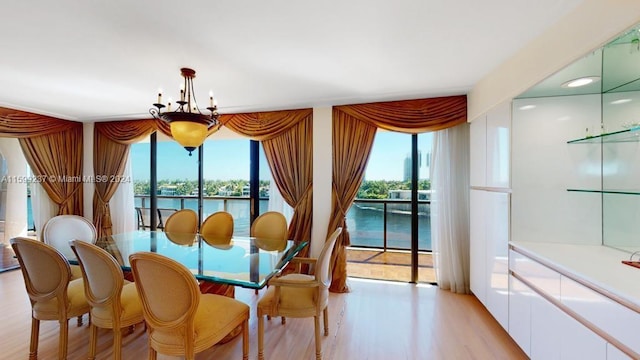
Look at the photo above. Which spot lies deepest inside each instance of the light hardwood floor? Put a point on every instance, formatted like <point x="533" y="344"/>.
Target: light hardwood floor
<point x="376" y="320"/>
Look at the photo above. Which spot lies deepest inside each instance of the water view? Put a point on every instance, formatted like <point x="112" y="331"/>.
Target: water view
<point x="365" y="221"/>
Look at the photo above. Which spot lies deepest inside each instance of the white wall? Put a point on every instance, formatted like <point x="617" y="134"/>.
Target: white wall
<point x="322" y="178"/>
<point x="16" y="214"/>
<point x="588" y="27"/>
<point x="87" y="169"/>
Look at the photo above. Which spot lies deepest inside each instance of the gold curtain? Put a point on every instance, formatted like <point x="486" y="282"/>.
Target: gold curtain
<point x="354" y="128"/>
<point x="56" y="160"/>
<point x="112" y="141"/>
<point x="290" y="158"/>
<point x="21" y="124"/>
<point x="352" y="142"/>
<point x="287" y="140"/>
<point x="411" y="116"/>
<point x="53" y="149"/>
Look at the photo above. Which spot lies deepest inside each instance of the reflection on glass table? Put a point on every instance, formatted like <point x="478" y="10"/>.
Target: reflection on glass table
<point x="240" y="261"/>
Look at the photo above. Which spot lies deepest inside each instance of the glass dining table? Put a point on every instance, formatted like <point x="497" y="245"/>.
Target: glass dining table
<point x="241" y="261"/>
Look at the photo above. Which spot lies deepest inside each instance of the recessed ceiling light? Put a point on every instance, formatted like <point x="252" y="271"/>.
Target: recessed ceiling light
<point x="527" y="107"/>
<point x="620" y="101"/>
<point x="580" y="81"/>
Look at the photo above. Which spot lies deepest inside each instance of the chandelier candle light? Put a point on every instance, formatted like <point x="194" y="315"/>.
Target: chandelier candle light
<point x="189" y="127"/>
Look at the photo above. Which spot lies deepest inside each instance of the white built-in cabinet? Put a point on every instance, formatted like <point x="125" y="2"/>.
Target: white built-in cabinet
<point x="489" y="210"/>
<point x="538" y="306"/>
<point x="544" y="308"/>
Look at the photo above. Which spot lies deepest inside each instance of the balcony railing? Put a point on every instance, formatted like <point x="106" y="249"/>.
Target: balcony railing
<point x="379" y="223"/>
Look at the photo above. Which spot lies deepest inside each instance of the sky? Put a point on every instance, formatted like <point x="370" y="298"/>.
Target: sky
<point x="229" y="159"/>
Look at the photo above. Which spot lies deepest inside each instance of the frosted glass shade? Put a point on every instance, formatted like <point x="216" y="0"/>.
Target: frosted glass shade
<point x="189" y="134"/>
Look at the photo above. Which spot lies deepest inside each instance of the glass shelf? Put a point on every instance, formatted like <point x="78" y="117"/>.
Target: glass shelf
<point x="609" y="191"/>
<point x="628" y="135"/>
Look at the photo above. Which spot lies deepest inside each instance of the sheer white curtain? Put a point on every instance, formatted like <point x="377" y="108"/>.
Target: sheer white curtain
<point x="276" y="201"/>
<point x="42" y="207"/>
<point x="123" y="216"/>
<point x="450" y="207"/>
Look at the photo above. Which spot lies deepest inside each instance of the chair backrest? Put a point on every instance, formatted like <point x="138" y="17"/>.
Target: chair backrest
<point x="61" y="229"/>
<point x="217" y="228"/>
<point x="323" y="264"/>
<point x="270" y="225"/>
<point x="143" y="218"/>
<point x="45" y="270"/>
<point x="165" y="310"/>
<point x="103" y="277"/>
<point x="182" y="221"/>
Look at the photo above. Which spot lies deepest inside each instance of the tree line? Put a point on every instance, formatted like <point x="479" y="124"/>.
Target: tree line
<point x="369" y="189"/>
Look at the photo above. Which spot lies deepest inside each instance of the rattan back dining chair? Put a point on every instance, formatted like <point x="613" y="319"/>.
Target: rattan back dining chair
<point x="114" y="302"/>
<point x="183" y="221"/>
<point x="300" y="295"/>
<point x="217" y="228"/>
<point x="270" y="225"/>
<point x="52" y="293"/>
<point x="182" y="321"/>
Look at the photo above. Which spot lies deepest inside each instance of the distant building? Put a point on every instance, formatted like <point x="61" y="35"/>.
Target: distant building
<point x="167" y="190"/>
<point x="406" y="194"/>
<point x="423" y="175"/>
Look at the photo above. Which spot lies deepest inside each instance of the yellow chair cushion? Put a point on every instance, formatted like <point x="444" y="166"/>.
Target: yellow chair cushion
<point x="215" y="317"/>
<point x="48" y="310"/>
<point x="131" y="308"/>
<point x="76" y="272"/>
<point x="291" y="297"/>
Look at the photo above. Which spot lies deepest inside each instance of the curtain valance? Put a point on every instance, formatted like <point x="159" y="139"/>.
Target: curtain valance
<point x="411" y="116"/>
<point x="265" y="125"/>
<point x="21" y="124"/>
<point x="126" y="132"/>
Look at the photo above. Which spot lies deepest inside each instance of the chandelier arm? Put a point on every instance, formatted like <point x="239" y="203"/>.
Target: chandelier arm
<point x="156" y="111"/>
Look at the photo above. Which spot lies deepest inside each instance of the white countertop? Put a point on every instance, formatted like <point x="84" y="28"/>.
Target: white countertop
<point x="598" y="266"/>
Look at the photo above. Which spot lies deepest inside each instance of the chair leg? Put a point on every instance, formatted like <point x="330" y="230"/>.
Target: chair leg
<point x="64" y="338"/>
<point x="316" y="320"/>
<point x="326" y="321"/>
<point x="79" y="320"/>
<point x="153" y="354"/>
<point x="260" y="337"/>
<point x="283" y="320"/>
<point x="117" y="344"/>
<point x="245" y="340"/>
<point x="93" y="340"/>
<point x="35" y="332"/>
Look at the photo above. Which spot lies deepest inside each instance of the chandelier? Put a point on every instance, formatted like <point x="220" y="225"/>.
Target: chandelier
<point x="189" y="126"/>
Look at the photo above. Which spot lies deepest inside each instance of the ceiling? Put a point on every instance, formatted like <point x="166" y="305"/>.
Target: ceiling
<point x="105" y="60"/>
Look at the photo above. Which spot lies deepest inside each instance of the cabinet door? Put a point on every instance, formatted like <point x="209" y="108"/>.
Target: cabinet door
<point x="478" y="151"/>
<point x="497" y="246"/>
<point x="556" y="335"/>
<point x="499" y="146"/>
<point x="477" y="245"/>
<point x="546" y="331"/>
<point x="520" y="314"/>
<point x="578" y="342"/>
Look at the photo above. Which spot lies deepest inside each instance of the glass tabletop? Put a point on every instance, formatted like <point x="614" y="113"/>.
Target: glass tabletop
<point x="243" y="261"/>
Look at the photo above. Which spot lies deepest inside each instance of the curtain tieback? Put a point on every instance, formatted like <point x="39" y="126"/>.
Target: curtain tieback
<point x="71" y="194"/>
